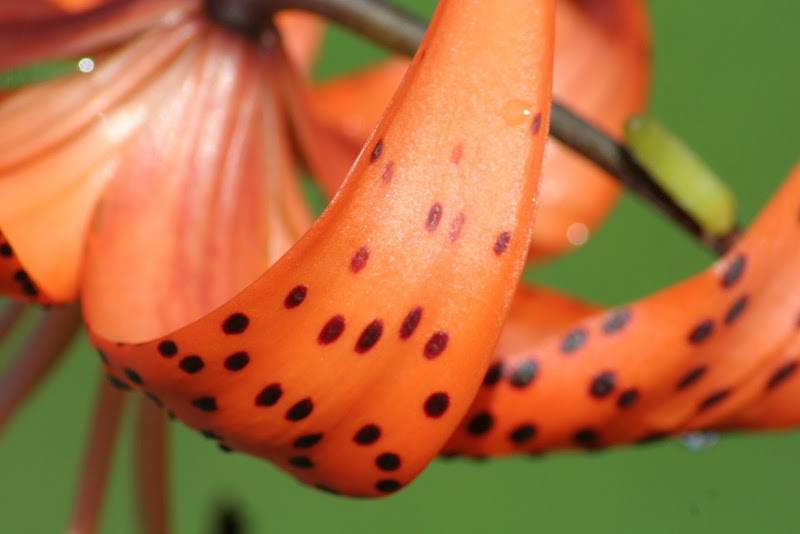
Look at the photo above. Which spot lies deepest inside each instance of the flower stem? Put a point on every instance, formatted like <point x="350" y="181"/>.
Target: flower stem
<point x="401" y="32"/>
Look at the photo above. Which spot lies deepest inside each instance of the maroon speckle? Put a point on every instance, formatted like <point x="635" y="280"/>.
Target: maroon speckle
<point x="370" y="336"/>
<point x="332" y="330"/>
<point x="434" y="216"/>
<point x="6" y="250"/>
<point x="691" y="377"/>
<point x="501" y="243"/>
<point x="457" y="225"/>
<point x="701" y="332"/>
<point x="493" y="374"/>
<point x="388" y="172"/>
<point x="388" y="485"/>
<point x="410" y="323"/>
<point x="295" y="297"/>
<point x="627" y="398"/>
<point x="436" y="404"/>
<point x="536" y="124"/>
<point x="734" y="271"/>
<point x="436" y="344"/>
<point x="455" y="156"/>
<point x="301" y="410"/>
<point x="783" y="373"/>
<point x="376" y="152"/>
<point x="713" y="399"/>
<point x="359" y="259"/>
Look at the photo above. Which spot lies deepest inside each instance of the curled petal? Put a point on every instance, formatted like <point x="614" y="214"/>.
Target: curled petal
<point x="708" y="352"/>
<point x="358" y="336"/>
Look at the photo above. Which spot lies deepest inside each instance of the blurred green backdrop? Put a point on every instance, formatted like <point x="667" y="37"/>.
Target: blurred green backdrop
<point x="727" y="80"/>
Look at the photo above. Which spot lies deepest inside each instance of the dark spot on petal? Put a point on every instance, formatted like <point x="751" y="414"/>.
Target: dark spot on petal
<point x="691" y="377"/>
<point x="501" y="243"/>
<point x="224" y="448"/>
<point x="522" y="433"/>
<point x="235" y="324"/>
<point x="102" y="355"/>
<point x="359" y="259"/>
<point x="410" y="323"/>
<point x="455" y="155"/>
<point x="154" y="398"/>
<point x="191" y="364"/>
<point x="524" y="373"/>
<point x="388" y="461"/>
<point x="388" y="172"/>
<point x="332" y="330"/>
<point x="456" y="226"/>
<point x="387" y="485"/>
<point x="210" y="434"/>
<point x="117" y="383"/>
<point x="168" y="349"/>
<point x="616" y="321"/>
<point x="370" y="336"/>
<point x="480" y="424"/>
<point x="301" y="462"/>
<point x="376" y="151"/>
<point x="628" y="398"/>
<point x="6" y="251"/>
<point x="701" y="332"/>
<point x="206" y="404"/>
<point x="237" y="361"/>
<point x="536" y="123"/>
<point x="585" y="437"/>
<point x="269" y="395"/>
<point x="133" y="376"/>
<point x="736" y="309"/>
<point x="734" y="271"/>
<point x="573" y="340"/>
<point x="295" y="297"/>
<point x="436" y="344"/>
<point x="603" y="385"/>
<point x="326" y="489"/>
<point x="309" y="440"/>
<point x="783" y="373"/>
<point x="301" y="410"/>
<point x="493" y="374"/>
<point x="713" y="399"/>
<point x="436" y="404"/>
<point x="434" y="216"/>
<point x="367" y="435"/>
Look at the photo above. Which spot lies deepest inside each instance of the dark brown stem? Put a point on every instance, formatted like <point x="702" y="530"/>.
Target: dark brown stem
<point x="399" y="31"/>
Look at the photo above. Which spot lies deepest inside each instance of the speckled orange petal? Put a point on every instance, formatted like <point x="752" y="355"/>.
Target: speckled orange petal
<point x="193" y="213"/>
<point x="351" y="360"/>
<point x="59" y="147"/>
<point x="680" y="360"/>
<point x="602" y="72"/>
<point x="37" y="37"/>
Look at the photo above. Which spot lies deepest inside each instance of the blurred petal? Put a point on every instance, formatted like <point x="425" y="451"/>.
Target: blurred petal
<point x="61" y="36"/>
<point x="302" y="35"/>
<point x="601" y="72"/>
<point x="193" y="214"/>
<point x="50" y="182"/>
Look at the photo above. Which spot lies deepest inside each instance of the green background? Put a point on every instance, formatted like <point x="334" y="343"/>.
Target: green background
<point x="727" y="80"/>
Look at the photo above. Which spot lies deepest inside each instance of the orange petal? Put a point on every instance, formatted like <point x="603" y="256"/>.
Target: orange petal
<point x="193" y="213"/>
<point x="59" y="148"/>
<point x="302" y="34"/>
<point x="38" y="37"/>
<point x="680" y="360"/>
<point x="602" y="72"/>
<point x="351" y="360"/>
